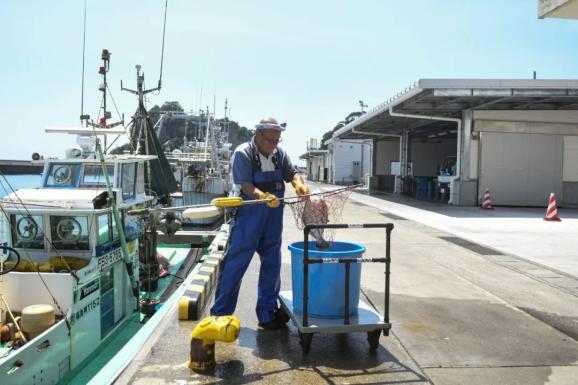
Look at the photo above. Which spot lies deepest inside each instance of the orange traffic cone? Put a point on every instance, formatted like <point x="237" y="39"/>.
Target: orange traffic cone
<point x="552" y="210"/>
<point x="487" y="201"/>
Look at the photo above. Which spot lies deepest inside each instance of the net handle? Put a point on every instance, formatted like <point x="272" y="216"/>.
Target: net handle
<point x="296" y="199"/>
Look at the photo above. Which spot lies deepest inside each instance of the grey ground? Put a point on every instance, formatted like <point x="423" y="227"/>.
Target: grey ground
<point x="462" y="314"/>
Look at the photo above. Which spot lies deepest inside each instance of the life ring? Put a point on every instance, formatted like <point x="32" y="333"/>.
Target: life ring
<point x="29" y="230"/>
<point x="62" y="174"/>
<point x="65" y="229"/>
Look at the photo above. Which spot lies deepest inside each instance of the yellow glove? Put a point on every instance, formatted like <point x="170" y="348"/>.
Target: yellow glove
<point x="273" y="203"/>
<point x="301" y="189"/>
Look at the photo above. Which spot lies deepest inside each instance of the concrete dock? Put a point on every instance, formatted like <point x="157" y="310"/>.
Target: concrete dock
<point x="464" y="310"/>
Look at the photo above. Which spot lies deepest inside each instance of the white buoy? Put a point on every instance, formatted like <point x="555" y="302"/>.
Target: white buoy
<point x="36" y="319"/>
<point x="201" y="212"/>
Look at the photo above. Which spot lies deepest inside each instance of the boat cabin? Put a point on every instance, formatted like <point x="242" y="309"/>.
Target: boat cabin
<point x="68" y="216"/>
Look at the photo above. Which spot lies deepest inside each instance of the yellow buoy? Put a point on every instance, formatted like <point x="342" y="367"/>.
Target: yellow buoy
<point x="227" y="202"/>
<point x="75" y="263"/>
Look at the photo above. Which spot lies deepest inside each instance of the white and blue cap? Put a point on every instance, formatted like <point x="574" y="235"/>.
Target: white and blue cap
<point x="270" y="124"/>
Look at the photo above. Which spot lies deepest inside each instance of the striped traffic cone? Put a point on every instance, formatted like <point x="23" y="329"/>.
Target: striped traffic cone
<point x="552" y="210"/>
<point x="487" y="201"/>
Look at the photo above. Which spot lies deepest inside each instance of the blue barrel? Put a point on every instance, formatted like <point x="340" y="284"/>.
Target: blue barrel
<point x="326" y="280"/>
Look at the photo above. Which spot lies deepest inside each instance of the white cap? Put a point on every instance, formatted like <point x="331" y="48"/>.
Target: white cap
<point x="270" y="124"/>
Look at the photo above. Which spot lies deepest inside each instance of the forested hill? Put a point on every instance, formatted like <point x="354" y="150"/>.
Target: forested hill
<point x="174" y="130"/>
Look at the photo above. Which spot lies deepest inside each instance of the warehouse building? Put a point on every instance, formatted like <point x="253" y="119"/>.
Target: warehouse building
<point x="316" y="160"/>
<point x="450" y="139"/>
<point x="348" y="161"/>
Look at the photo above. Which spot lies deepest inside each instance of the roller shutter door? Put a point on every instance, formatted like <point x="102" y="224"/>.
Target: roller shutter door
<point x="521" y="169"/>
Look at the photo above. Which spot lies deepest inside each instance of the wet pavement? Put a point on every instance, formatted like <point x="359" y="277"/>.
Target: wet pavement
<point x="460" y="315"/>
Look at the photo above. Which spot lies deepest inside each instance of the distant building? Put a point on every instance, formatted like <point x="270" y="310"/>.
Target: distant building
<point x="316" y="162"/>
<point x="348" y="161"/>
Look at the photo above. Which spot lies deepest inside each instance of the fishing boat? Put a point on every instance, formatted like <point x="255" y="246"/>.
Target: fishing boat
<point x="84" y="277"/>
<point x="201" y="164"/>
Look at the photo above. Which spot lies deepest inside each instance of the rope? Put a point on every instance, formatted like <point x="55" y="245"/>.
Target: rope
<point x="113" y="103"/>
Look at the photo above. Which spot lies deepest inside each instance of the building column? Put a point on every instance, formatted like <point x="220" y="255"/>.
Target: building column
<point x="403" y="160"/>
<point x="464" y="191"/>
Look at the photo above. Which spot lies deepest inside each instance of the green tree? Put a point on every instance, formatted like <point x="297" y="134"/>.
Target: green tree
<point x="172" y="107"/>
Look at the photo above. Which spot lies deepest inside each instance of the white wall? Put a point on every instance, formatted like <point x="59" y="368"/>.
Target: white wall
<point x="570" y="164"/>
<point x="343" y="154"/>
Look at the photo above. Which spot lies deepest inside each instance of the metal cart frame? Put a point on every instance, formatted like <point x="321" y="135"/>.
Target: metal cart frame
<point x="367" y="319"/>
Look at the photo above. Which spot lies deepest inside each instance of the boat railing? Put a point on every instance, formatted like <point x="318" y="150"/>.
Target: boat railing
<point x="190" y="157"/>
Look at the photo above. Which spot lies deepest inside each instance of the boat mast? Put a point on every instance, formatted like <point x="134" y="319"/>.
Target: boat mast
<point x="207" y="133"/>
<point x="226" y="131"/>
<point x="102" y="123"/>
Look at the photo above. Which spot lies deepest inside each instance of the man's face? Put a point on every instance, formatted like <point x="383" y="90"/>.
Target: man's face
<point x="268" y="140"/>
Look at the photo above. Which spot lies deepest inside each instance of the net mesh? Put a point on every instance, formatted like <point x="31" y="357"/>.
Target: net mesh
<point x="320" y="208"/>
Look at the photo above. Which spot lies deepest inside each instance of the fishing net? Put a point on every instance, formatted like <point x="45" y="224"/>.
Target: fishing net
<point x="320" y="208"/>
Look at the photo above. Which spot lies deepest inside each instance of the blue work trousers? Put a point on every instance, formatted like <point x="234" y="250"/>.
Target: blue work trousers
<point x="256" y="228"/>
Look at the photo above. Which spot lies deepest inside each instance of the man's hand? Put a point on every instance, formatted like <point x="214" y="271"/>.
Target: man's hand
<point x="274" y="201"/>
<point x="300" y="188"/>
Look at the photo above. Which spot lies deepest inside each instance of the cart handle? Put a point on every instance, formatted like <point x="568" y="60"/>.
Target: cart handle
<point x="388" y="226"/>
<point x="346" y="260"/>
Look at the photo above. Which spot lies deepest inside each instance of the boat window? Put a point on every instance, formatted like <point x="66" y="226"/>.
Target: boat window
<point x="103" y="229"/>
<point x="140" y="187"/>
<point x="93" y="176"/>
<point x="69" y="232"/>
<point x="27" y="231"/>
<point x="114" y="228"/>
<point x="62" y="175"/>
<point x="128" y="183"/>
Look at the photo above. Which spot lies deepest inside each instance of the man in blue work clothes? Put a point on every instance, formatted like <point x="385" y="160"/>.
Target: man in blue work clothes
<point x="261" y="169"/>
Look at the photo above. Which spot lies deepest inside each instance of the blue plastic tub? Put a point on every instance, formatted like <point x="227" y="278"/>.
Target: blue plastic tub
<point x="326" y="280"/>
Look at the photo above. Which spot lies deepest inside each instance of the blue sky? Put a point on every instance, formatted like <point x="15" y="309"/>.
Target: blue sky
<point x="304" y="62"/>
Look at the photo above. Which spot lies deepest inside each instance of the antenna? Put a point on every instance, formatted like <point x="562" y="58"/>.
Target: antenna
<point x="103" y="69"/>
<point x="140" y="78"/>
<point x="82" y="115"/>
<point x="362" y="105"/>
<point x="163" y="46"/>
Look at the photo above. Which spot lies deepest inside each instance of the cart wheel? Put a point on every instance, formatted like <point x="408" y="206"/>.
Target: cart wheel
<point x="373" y="339"/>
<point x="305" y="341"/>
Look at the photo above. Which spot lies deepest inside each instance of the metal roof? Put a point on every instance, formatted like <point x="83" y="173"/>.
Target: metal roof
<point x="450" y="97"/>
<point x="563" y="9"/>
<point x="312" y="153"/>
